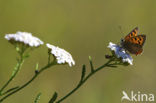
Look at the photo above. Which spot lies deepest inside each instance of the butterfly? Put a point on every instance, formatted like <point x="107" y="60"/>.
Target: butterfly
<point x="133" y="42"/>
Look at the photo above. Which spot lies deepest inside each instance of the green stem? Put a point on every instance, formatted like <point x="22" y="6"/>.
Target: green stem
<point x="9" y="90"/>
<point x="81" y="83"/>
<point x="27" y="83"/>
<point x="16" y="70"/>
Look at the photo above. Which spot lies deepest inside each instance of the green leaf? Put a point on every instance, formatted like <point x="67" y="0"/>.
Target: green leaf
<point x="36" y="68"/>
<point x="49" y="55"/>
<point x="37" y="98"/>
<point x="83" y="73"/>
<point x="52" y="100"/>
<point x="17" y="49"/>
<point x="26" y="56"/>
<point x="91" y="64"/>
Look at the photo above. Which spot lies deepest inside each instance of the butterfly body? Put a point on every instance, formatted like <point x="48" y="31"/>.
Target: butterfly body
<point x="133" y="42"/>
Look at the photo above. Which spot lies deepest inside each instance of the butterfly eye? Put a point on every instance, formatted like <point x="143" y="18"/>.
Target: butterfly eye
<point x="122" y="40"/>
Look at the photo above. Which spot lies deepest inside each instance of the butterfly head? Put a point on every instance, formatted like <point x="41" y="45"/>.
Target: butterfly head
<point x="122" y="41"/>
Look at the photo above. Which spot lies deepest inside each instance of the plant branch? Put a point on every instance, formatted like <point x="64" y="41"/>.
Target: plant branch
<point x="84" y="80"/>
<point x="9" y="90"/>
<point x="31" y="80"/>
<point x="15" y="71"/>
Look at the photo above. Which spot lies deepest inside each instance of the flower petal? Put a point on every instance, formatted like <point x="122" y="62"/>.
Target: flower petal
<point x="25" y="38"/>
<point x="61" y="55"/>
<point x="120" y="52"/>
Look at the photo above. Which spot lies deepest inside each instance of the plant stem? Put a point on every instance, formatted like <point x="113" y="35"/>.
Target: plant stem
<point x="27" y="83"/>
<point x="16" y="70"/>
<point x="9" y="90"/>
<point x="81" y="83"/>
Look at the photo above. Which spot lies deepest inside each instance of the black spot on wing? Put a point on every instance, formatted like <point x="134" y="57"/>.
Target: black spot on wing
<point x="143" y="37"/>
<point x="139" y="42"/>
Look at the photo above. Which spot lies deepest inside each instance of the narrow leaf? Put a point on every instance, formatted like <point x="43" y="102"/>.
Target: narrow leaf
<point x="36" y="68"/>
<point x="49" y="54"/>
<point x="91" y="64"/>
<point x="26" y="56"/>
<point x="52" y="100"/>
<point x="83" y="73"/>
<point x="17" y="49"/>
<point x="37" y="98"/>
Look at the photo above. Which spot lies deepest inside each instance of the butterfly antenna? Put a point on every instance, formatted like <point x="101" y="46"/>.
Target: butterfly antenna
<point x="120" y="28"/>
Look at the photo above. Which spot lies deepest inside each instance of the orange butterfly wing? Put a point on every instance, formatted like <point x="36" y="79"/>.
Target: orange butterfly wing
<point x="138" y="43"/>
<point x="134" y="42"/>
<point x="133" y="33"/>
<point x="138" y="40"/>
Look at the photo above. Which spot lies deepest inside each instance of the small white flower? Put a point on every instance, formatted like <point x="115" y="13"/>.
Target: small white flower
<point x="25" y="38"/>
<point x="120" y="52"/>
<point x="61" y="55"/>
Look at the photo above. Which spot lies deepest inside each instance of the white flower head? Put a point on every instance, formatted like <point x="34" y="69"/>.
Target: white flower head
<point x="120" y="52"/>
<point x="61" y="55"/>
<point x="24" y="37"/>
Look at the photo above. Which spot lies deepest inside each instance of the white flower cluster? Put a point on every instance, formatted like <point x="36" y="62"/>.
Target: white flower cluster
<point x="25" y="38"/>
<point x="61" y="55"/>
<point x="120" y="52"/>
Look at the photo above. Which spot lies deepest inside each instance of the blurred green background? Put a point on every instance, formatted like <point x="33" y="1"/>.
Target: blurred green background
<point x="84" y="28"/>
